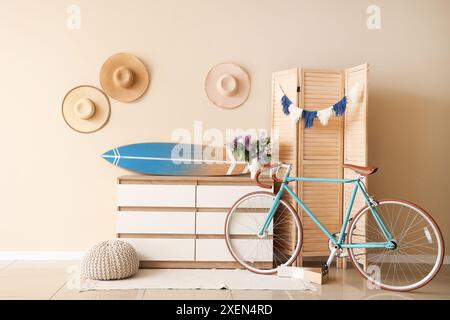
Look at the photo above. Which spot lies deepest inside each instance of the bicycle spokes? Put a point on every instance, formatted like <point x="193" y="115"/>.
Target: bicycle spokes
<point x="416" y="252"/>
<point x="278" y="245"/>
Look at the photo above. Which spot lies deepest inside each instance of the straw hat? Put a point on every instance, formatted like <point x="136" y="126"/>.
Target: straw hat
<point x="86" y="109"/>
<point x="124" y="77"/>
<point x="227" y="85"/>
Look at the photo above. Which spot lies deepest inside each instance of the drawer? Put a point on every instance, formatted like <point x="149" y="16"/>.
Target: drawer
<point x="151" y="195"/>
<point x="212" y="196"/>
<point x="158" y="249"/>
<point x="156" y="222"/>
<point x="217" y="250"/>
<point x="214" y="222"/>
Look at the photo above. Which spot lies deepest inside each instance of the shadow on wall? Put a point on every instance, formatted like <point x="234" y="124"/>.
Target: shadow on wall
<point x="406" y="142"/>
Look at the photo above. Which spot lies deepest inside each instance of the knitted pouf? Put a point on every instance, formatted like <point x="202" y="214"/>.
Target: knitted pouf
<point x="110" y="260"/>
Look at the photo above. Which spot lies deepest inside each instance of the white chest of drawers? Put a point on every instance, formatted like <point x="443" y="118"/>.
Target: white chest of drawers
<point x="178" y="222"/>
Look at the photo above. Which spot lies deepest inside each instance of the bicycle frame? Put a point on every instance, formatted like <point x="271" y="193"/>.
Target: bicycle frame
<point x="339" y="243"/>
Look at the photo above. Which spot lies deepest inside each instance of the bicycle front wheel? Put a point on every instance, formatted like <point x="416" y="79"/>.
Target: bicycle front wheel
<point x="278" y="246"/>
<point x="418" y="252"/>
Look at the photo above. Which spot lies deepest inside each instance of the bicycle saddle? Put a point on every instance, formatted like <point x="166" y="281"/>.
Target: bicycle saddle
<point x="364" y="171"/>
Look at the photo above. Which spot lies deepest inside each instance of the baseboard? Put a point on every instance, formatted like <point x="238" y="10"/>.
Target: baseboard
<point x="41" y="255"/>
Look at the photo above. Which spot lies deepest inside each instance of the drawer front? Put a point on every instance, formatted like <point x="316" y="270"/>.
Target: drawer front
<point x="163" y="249"/>
<point x="214" y="222"/>
<point x="150" y="195"/>
<point x="222" y="196"/>
<point x="217" y="250"/>
<point x="156" y="222"/>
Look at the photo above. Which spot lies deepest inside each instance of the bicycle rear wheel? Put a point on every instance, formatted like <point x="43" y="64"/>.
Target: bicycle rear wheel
<point x="281" y="243"/>
<point x="419" y="246"/>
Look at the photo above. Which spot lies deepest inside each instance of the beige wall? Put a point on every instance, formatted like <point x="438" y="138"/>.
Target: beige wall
<point x="58" y="194"/>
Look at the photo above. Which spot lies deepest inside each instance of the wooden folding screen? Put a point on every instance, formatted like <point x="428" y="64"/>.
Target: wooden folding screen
<point x="320" y="151"/>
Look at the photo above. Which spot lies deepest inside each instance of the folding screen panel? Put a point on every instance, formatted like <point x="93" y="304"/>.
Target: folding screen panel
<point x="285" y="130"/>
<point x="355" y="132"/>
<point x="283" y="126"/>
<point x="356" y="142"/>
<point x="321" y="150"/>
<point x="320" y="155"/>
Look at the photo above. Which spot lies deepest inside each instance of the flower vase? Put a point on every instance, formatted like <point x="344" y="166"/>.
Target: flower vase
<point x="254" y="166"/>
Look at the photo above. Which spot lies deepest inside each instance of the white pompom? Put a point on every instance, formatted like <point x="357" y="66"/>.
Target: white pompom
<point x="324" y="115"/>
<point x="295" y="113"/>
<point x="355" y="93"/>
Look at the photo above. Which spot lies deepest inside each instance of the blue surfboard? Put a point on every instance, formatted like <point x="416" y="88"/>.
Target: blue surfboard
<point x="175" y="159"/>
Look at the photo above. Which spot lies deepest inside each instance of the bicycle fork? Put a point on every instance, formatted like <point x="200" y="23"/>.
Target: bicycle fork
<point x="270" y="214"/>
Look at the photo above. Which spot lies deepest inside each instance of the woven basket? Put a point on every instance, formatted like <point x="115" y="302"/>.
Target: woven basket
<point x="110" y="260"/>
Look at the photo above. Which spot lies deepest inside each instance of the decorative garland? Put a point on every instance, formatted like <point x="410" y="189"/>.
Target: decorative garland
<point x="324" y="115"/>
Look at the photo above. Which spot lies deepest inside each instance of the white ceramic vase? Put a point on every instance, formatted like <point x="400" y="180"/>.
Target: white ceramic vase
<point x="254" y="166"/>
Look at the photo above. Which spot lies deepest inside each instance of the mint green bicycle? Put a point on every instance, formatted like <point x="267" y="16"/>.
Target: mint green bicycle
<point x="393" y="243"/>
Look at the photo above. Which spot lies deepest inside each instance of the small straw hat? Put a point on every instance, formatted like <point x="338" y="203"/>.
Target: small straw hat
<point x="227" y="85"/>
<point x="86" y="109"/>
<point x="124" y="77"/>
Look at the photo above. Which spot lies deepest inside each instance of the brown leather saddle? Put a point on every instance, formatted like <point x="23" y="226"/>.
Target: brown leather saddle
<point x="364" y="171"/>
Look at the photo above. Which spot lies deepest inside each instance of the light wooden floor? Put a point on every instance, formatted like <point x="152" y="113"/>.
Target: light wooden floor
<point x="49" y="280"/>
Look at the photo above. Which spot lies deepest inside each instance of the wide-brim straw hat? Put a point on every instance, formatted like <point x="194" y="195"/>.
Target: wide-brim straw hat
<point x="227" y="85"/>
<point x="86" y="109"/>
<point x="124" y="77"/>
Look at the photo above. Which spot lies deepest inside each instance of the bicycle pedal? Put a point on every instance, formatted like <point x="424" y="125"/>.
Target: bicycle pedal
<point x="325" y="269"/>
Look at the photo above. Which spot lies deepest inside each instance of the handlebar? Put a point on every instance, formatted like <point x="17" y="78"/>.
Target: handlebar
<point x="274" y="175"/>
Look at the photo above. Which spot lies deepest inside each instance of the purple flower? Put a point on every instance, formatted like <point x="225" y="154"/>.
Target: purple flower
<point x="235" y="142"/>
<point x="247" y="142"/>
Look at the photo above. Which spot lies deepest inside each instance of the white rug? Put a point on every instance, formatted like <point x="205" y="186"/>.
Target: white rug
<point x="199" y="279"/>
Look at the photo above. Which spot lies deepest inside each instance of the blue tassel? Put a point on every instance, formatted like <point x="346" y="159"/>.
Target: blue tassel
<point x="339" y="108"/>
<point x="286" y="104"/>
<point x="308" y="118"/>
